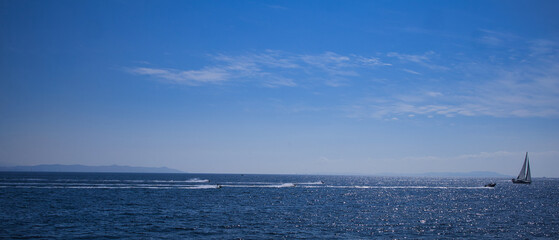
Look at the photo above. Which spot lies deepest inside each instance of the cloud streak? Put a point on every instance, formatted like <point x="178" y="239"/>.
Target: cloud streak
<point x="269" y="68"/>
<point x="191" y="77"/>
<point x="424" y="60"/>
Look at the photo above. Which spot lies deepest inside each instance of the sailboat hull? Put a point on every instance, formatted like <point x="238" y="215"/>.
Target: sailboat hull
<point x="521" y="181"/>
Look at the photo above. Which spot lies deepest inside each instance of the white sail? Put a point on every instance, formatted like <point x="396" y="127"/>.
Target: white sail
<point x="528" y="174"/>
<point x="522" y="174"/>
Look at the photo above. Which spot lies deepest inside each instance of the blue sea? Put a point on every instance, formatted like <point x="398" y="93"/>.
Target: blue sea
<point x="235" y="206"/>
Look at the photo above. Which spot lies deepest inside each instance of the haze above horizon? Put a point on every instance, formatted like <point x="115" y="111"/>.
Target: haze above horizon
<point x="281" y="86"/>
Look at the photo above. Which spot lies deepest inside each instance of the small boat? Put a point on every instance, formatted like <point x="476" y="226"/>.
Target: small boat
<point x="490" y="185"/>
<point x="524" y="176"/>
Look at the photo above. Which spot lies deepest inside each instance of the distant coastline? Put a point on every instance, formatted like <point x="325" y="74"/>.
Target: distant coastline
<point x="84" y="168"/>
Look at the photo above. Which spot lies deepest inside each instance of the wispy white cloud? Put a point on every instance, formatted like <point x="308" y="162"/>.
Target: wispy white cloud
<point x="494" y="38"/>
<point x="519" y="91"/>
<point x="256" y="61"/>
<point x="540" y="47"/>
<point x="424" y="60"/>
<point x="280" y="82"/>
<point x="411" y="71"/>
<point x="433" y="94"/>
<point x="270" y="68"/>
<point x="370" y="61"/>
<point x="332" y="63"/>
<point x="191" y="77"/>
<point x="411" y="58"/>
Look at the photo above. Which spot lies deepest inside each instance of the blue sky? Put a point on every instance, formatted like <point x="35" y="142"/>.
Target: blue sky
<point x="361" y="87"/>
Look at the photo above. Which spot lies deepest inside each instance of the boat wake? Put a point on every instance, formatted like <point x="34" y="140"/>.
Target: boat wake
<point x="196" y="180"/>
<point x="312" y="183"/>
<point x="286" y="185"/>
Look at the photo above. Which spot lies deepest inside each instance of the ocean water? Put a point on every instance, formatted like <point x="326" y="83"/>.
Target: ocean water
<point x="219" y="206"/>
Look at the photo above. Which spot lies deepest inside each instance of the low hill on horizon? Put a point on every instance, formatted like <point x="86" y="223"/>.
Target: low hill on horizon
<point x="84" y="168"/>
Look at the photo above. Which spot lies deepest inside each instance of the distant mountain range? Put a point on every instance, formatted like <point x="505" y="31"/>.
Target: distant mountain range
<point x="83" y="168"/>
<point x="449" y="174"/>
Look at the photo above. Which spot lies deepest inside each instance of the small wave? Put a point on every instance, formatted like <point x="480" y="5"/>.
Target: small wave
<point x="197" y="180"/>
<point x="245" y="183"/>
<point x="202" y="187"/>
<point x="312" y="183"/>
<point x="286" y="185"/>
<point x="260" y="185"/>
<point x="242" y="186"/>
<point x="192" y="180"/>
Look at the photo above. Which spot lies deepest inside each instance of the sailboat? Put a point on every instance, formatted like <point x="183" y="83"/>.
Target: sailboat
<point x="524" y="176"/>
